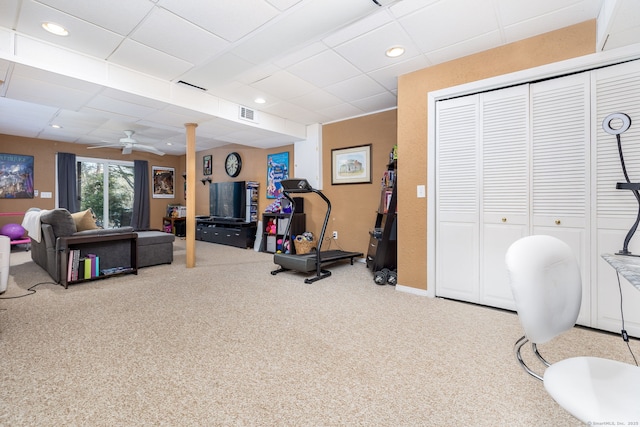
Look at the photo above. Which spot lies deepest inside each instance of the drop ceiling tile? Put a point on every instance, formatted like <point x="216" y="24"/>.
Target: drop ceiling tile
<point x="246" y="95"/>
<point x="363" y="26"/>
<point x="367" y="52"/>
<point x="106" y="14"/>
<point x="83" y="36"/>
<point x="284" y="85"/>
<point x="217" y="72"/>
<point x="46" y="93"/>
<point x="468" y="47"/>
<point x="123" y="120"/>
<point x="406" y="7"/>
<point x="514" y="12"/>
<point x="388" y="76"/>
<point x="294" y="112"/>
<point x="8" y="13"/>
<point x="545" y="23"/>
<point x="80" y="120"/>
<point x="28" y="112"/>
<point x="379" y="102"/>
<point x="355" y="88"/>
<point x="623" y="38"/>
<point x="139" y="57"/>
<point x="132" y="98"/>
<point x="283" y="4"/>
<point x="7" y="44"/>
<point x="441" y="24"/>
<point x="339" y="112"/>
<point x="107" y="104"/>
<point x="301" y="54"/>
<point x="168" y="33"/>
<point x="324" y="69"/>
<point x="229" y="19"/>
<point x="56" y="79"/>
<point x="317" y="100"/>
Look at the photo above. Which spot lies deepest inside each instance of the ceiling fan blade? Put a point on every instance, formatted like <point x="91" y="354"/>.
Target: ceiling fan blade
<point x="104" y="146"/>
<point x="127" y="149"/>
<point x="149" y="149"/>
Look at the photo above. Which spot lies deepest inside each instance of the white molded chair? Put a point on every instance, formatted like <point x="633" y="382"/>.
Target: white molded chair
<point x="5" y="255"/>
<point x="546" y="285"/>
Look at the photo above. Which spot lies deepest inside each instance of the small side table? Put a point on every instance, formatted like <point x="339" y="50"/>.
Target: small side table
<point x="628" y="266"/>
<point x="176" y="226"/>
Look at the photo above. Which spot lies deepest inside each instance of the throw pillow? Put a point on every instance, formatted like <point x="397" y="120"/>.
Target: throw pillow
<point x="85" y="220"/>
<point x="60" y="220"/>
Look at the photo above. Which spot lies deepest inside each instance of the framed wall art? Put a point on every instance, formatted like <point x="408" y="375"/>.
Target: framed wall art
<point x="277" y="170"/>
<point x="163" y="182"/>
<point x="206" y="165"/>
<point x="16" y="177"/>
<point x="351" y="165"/>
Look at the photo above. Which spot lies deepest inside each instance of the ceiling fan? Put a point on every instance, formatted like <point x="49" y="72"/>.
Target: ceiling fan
<point x="129" y="144"/>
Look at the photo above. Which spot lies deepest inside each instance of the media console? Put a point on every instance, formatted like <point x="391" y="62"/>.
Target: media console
<point x="226" y="231"/>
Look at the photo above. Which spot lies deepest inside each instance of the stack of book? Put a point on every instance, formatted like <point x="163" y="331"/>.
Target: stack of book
<point x="82" y="267"/>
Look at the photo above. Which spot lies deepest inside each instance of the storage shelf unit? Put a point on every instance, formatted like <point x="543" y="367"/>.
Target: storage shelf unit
<point x="108" y="244"/>
<point x="270" y="240"/>
<point x="382" y="251"/>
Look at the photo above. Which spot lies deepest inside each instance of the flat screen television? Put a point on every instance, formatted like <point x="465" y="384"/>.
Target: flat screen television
<point x="227" y="200"/>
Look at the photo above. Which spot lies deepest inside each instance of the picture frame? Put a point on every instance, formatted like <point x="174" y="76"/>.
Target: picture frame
<point x="163" y="182"/>
<point x="207" y="162"/>
<point x="351" y="165"/>
<point x="17" y="180"/>
<point x="277" y="170"/>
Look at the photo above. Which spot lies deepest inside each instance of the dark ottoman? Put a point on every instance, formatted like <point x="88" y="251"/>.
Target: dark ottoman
<point x="154" y="247"/>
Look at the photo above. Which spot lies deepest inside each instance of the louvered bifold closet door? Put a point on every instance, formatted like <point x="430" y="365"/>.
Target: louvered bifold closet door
<point x="504" y="123"/>
<point x="457" y="212"/>
<point x="617" y="89"/>
<point x="560" y="129"/>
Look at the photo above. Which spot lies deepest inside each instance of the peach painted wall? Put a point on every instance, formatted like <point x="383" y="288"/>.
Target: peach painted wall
<point x="571" y="42"/>
<point x="44" y="153"/>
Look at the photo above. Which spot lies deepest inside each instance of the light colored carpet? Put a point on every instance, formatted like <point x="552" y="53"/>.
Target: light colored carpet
<point x="228" y="344"/>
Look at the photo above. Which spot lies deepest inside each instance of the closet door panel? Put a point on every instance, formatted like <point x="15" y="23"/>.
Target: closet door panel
<point x="617" y="89"/>
<point x="458" y="261"/>
<point x="560" y="179"/>
<point x="457" y="234"/>
<point x="504" y="130"/>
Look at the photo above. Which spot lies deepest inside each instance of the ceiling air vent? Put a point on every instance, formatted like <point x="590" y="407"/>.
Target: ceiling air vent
<point x="247" y="114"/>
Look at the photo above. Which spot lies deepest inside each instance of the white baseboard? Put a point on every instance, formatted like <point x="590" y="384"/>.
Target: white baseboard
<point x="410" y="290"/>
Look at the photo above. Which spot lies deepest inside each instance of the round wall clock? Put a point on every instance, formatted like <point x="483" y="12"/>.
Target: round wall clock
<point x="233" y="164"/>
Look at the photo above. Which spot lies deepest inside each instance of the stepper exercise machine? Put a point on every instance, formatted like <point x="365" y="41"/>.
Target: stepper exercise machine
<point x="316" y="258"/>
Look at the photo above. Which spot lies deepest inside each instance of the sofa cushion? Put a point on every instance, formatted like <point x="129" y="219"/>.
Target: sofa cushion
<point x="146" y="238"/>
<point x="60" y="220"/>
<point x="104" y="231"/>
<point x="85" y="220"/>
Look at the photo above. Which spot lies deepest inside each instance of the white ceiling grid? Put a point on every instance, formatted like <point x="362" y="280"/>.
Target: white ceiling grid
<point x="314" y="61"/>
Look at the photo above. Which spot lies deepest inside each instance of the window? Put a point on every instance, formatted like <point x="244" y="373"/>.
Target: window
<point x="106" y="187"/>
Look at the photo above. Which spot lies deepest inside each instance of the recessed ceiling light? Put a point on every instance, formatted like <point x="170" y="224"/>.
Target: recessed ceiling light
<point x="394" y="52"/>
<point x="56" y="126"/>
<point x="54" y="28"/>
<point x="169" y="143"/>
<point x="259" y="100"/>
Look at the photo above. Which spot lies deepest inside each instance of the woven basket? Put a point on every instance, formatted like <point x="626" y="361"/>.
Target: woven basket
<point x="304" y="246"/>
